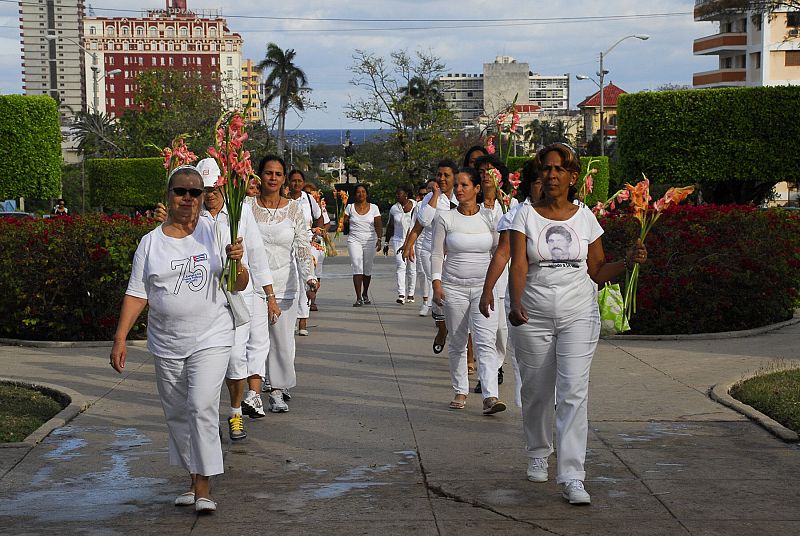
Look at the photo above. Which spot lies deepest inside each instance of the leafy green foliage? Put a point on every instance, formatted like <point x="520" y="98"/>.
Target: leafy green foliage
<point x="23" y="410"/>
<point x="64" y="278"/>
<point x="601" y="178"/>
<point x="30" y="147"/>
<point x="126" y="182"/>
<point x="737" y="142"/>
<point x="775" y="393"/>
<point x="712" y="268"/>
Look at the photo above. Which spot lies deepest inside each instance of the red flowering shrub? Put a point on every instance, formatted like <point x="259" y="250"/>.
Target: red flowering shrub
<point x="712" y="268"/>
<point x="64" y="278"/>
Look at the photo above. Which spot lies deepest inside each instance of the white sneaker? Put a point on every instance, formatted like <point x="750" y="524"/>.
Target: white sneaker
<point x="537" y="470"/>
<point x="575" y="493"/>
<point x="409" y="299"/>
<point x="425" y="309"/>
<point x="276" y="402"/>
<point x="252" y="406"/>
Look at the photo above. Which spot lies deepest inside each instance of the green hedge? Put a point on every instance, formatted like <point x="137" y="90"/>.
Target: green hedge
<point x="64" y="278"/>
<point x="601" y="178"/>
<point x="710" y="135"/>
<point x="126" y="182"/>
<point x="712" y="268"/>
<point x="30" y="147"/>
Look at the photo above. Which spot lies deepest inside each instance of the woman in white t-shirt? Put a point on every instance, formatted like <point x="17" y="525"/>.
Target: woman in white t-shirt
<point x="400" y="222"/>
<point x="190" y="331"/>
<point x="557" y="261"/>
<point x="363" y="241"/>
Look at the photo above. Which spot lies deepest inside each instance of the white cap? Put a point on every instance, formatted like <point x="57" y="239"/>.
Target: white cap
<point x="209" y="170"/>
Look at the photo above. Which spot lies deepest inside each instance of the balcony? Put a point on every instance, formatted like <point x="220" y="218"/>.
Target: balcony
<point x="720" y="78"/>
<point x="722" y="42"/>
<point x="708" y="10"/>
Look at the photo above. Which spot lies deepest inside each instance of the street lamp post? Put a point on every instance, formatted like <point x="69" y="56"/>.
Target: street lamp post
<point x="601" y="74"/>
<point x="95" y="68"/>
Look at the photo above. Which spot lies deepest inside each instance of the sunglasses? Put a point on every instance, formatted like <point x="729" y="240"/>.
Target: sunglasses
<point x="194" y="192"/>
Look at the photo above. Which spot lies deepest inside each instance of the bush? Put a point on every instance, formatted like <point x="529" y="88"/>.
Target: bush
<point x="64" y="278"/>
<point x="30" y="147"/>
<point x="712" y="268"/>
<point x="126" y="182"/>
<point x="737" y="142"/>
<point x="601" y="178"/>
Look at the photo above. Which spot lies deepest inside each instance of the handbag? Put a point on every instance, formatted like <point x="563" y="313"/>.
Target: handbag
<point x="612" y="316"/>
<point x="236" y="305"/>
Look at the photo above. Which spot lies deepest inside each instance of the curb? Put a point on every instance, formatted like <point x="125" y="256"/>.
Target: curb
<point x="67" y="344"/>
<point x="721" y="393"/>
<point x="76" y="403"/>
<point x="706" y="336"/>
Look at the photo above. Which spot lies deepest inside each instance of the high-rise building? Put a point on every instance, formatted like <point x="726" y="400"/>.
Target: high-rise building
<point x="753" y="48"/>
<point x="472" y="96"/>
<point x="171" y="38"/>
<point x="251" y="80"/>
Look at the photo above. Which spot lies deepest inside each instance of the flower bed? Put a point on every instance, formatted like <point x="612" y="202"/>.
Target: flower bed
<point x="712" y="268"/>
<point x="64" y="278"/>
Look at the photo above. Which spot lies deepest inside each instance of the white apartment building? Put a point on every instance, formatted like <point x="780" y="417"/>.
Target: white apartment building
<point x="471" y="96"/>
<point x="753" y="49"/>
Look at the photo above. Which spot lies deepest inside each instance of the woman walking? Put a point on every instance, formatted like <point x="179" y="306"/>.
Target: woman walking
<point x="176" y="271"/>
<point x="284" y="233"/>
<point x="400" y="222"/>
<point x="557" y="261"/>
<point x="468" y="236"/>
<point x="364" y="240"/>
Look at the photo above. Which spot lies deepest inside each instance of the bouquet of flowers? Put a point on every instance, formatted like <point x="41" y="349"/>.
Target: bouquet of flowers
<point x="177" y="155"/>
<point x="236" y="171"/>
<point x="504" y="193"/>
<point x="506" y="124"/>
<point x="587" y="184"/>
<point x="341" y="197"/>
<point x="647" y="212"/>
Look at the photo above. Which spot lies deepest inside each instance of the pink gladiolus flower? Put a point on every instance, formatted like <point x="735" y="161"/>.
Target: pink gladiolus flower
<point x="236" y="123"/>
<point x="589" y="183"/>
<point x="490" y="148"/>
<point x="623" y="195"/>
<point x="501" y="119"/>
<point x="600" y="209"/>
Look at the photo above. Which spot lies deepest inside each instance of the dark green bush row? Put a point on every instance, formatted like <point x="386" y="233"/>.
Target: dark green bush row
<point x="712" y="268"/>
<point x="126" y="182"/>
<point x="64" y="278"/>
<point x="601" y="178"/>
<point x="30" y="147"/>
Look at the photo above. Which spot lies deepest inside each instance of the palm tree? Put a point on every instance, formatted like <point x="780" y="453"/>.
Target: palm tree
<point x="418" y="101"/>
<point x="285" y="82"/>
<point x="97" y="134"/>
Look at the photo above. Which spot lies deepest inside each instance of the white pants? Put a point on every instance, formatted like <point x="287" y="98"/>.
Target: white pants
<point x="362" y="256"/>
<point x="463" y="318"/>
<point x="406" y="272"/>
<point x="427" y="284"/>
<point x="319" y="260"/>
<point x="437" y="311"/>
<point x="511" y="354"/>
<point x="303" y="303"/>
<point x="557" y="353"/>
<point x="251" y="345"/>
<point x="280" y="363"/>
<point x="189" y="391"/>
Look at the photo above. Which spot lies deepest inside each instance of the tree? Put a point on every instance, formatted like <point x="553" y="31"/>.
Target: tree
<point x="170" y="103"/>
<point x="97" y="135"/>
<point x="402" y="93"/>
<point x="539" y="133"/>
<point x="285" y="83"/>
<point x="759" y="6"/>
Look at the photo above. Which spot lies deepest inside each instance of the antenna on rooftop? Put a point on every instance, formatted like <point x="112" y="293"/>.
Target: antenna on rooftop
<point x="90" y="10"/>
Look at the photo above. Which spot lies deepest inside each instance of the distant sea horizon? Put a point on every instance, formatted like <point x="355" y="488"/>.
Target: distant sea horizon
<point x="335" y="136"/>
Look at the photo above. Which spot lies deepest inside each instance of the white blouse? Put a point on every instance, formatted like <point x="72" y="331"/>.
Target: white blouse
<point x="362" y="226"/>
<point x="468" y="241"/>
<point x="401" y="220"/>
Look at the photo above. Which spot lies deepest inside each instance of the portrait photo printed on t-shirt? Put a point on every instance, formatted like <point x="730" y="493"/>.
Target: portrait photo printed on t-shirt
<point x="558" y="247"/>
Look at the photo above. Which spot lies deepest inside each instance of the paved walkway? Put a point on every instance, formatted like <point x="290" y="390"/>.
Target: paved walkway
<point x="370" y="448"/>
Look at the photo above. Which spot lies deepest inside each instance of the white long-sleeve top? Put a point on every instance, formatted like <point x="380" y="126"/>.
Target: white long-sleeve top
<point x="284" y="234"/>
<point x="255" y="258"/>
<point x="426" y="215"/>
<point x="401" y="220"/>
<point x="468" y="242"/>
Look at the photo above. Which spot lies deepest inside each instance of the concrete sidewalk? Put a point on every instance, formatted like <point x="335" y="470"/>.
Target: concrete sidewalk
<point x="369" y="446"/>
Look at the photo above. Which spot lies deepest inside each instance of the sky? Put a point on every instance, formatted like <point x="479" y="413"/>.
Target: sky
<point x="464" y="34"/>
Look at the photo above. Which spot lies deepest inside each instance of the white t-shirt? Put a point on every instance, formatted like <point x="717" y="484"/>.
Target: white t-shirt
<point x="179" y="278"/>
<point x="468" y="242"/>
<point x="505" y="221"/>
<point x="362" y="227"/>
<point x="558" y="283"/>
<point x="401" y="220"/>
<point x="311" y="210"/>
<point x="426" y="214"/>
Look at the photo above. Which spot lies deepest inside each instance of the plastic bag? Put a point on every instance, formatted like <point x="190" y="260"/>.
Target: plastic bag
<point x="612" y="316"/>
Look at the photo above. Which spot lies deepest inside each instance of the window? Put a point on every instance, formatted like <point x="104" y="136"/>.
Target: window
<point x="162" y="61"/>
<point x="792" y="58"/>
<point x="125" y="31"/>
<point x="92" y="30"/>
<point x="726" y="27"/>
<point x="198" y="31"/>
<point x="727" y="63"/>
<point x="170" y="32"/>
<point x="153" y="31"/>
<point x="212" y="32"/>
<point x="110" y="31"/>
<point x="139" y="31"/>
<point x="184" y="32"/>
<point x="756" y="60"/>
<point x="125" y="60"/>
<point x="199" y="61"/>
<point x="213" y="61"/>
<point x="184" y="61"/>
<point x="171" y="61"/>
<point x="756" y="20"/>
<point x="155" y="61"/>
<point x="229" y="60"/>
<point x="793" y="19"/>
<point x="127" y="101"/>
<point x="112" y="101"/>
<point x="111" y="88"/>
<point x="111" y="60"/>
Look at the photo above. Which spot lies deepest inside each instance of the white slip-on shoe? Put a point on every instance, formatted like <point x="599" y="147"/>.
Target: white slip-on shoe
<point x="205" y="506"/>
<point x="185" y="499"/>
<point x="575" y="493"/>
<point x="537" y="470"/>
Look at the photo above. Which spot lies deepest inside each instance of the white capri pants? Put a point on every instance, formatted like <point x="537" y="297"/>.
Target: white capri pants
<point x="189" y="391"/>
<point x="280" y="363"/>
<point x="361" y="256"/>
<point x="319" y="260"/>
<point x="406" y="271"/>
<point x="251" y="344"/>
<point x="303" y="303"/>
<point x="437" y="311"/>
<point x="557" y="353"/>
<point x="427" y="284"/>
<point x="463" y="318"/>
<point x="510" y="352"/>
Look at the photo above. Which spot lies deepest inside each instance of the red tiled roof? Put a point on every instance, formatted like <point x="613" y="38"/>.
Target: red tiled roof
<point x="610" y="95"/>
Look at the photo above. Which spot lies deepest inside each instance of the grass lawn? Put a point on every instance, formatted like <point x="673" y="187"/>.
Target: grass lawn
<point x="776" y="394"/>
<point x="23" y="410"/>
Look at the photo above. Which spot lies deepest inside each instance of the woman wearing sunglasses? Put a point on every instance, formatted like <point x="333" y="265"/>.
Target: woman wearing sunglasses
<point x="176" y="271"/>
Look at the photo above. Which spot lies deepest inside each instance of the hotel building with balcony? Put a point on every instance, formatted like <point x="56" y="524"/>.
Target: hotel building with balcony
<point x="753" y="48"/>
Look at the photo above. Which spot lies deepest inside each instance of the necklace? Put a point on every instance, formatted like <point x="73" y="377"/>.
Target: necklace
<point x="270" y="211"/>
<point x="462" y="211"/>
